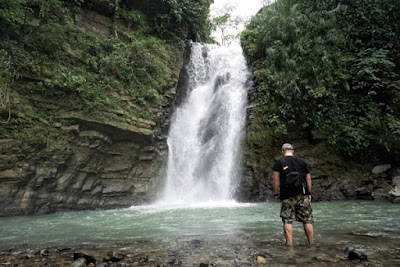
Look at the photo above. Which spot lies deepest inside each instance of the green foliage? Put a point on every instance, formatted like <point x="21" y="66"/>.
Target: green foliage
<point x="328" y="67"/>
<point x="12" y="11"/>
<point x="49" y="66"/>
<point x="182" y="19"/>
<point x="65" y="61"/>
<point x="134" y="19"/>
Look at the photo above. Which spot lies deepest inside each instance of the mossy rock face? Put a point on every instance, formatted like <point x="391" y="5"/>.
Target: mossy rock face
<point x="80" y="163"/>
<point x="333" y="177"/>
<point x="85" y="116"/>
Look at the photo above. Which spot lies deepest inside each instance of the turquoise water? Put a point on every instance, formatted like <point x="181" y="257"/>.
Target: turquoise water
<point x="334" y="222"/>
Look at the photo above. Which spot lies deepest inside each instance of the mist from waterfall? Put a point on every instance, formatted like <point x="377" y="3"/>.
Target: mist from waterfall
<point x="207" y="128"/>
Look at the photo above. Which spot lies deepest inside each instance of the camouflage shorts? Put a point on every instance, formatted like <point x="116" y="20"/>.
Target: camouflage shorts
<point x="296" y="208"/>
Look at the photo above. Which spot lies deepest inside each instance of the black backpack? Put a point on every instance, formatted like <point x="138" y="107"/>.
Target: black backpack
<point x="295" y="182"/>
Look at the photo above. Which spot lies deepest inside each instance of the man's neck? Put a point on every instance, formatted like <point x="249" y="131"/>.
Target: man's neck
<point x="289" y="155"/>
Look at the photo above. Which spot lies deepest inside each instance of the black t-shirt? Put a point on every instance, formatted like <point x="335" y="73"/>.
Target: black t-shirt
<point x="288" y="164"/>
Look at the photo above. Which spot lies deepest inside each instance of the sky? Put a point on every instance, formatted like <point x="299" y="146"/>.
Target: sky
<point x="244" y="9"/>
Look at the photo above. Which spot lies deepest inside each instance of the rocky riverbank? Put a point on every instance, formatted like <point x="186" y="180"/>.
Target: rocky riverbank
<point x="333" y="177"/>
<point x="226" y="251"/>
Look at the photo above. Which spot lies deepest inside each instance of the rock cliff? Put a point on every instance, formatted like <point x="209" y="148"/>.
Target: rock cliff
<point x="105" y="164"/>
<point x="60" y="157"/>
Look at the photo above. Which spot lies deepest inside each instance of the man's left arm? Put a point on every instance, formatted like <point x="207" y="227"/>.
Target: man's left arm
<point x="275" y="177"/>
<point x="308" y="181"/>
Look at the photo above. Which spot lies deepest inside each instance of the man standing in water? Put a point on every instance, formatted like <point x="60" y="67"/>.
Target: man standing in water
<point x="295" y="204"/>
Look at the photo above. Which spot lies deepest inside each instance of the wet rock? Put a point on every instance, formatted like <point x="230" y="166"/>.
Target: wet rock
<point x="123" y="265"/>
<point x="88" y="258"/>
<point x="113" y="257"/>
<point x="144" y="259"/>
<point x="380" y="194"/>
<point x="30" y="255"/>
<point x="260" y="260"/>
<point x="16" y="253"/>
<point x="64" y="249"/>
<point x="380" y="168"/>
<point x="80" y="262"/>
<point x="395" y="200"/>
<point x="394" y="193"/>
<point x="354" y="254"/>
<point x="175" y="262"/>
<point x="44" y="253"/>
<point x="396" y="181"/>
<point x="365" y="192"/>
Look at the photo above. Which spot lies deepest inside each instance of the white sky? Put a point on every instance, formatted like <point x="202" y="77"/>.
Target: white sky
<point x="244" y="9"/>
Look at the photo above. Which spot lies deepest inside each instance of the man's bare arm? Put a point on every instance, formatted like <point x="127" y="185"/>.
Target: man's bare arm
<point x="275" y="177"/>
<point x="308" y="181"/>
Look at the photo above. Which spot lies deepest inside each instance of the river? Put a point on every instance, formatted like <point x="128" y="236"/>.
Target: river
<point x="225" y="233"/>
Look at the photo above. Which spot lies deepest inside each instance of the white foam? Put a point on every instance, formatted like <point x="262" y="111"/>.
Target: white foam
<point x="158" y="207"/>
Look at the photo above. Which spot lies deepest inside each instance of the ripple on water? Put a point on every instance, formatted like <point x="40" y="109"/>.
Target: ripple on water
<point x="333" y="223"/>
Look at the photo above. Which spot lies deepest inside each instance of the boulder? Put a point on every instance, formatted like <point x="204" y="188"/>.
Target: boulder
<point x="380" y="168"/>
<point x="396" y="181"/>
<point x="380" y="194"/>
<point x="395" y="191"/>
<point x="354" y="254"/>
<point x="88" y="259"/>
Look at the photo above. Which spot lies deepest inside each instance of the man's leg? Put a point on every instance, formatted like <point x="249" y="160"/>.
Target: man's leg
<point x="288" y="231"/>
<point x="309" y="230"/>
<point x="304" y="214"/>
<point x="287" y="215"/>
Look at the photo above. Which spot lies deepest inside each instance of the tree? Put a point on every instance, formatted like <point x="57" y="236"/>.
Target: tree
<point x="328" y="68"/>
<point x="226" y="24"/>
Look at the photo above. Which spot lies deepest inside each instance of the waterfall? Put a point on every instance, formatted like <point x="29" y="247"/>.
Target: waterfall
<point x="206" y="129"/>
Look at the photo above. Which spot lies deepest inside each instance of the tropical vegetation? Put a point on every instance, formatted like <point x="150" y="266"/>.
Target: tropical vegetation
<point x="104" y="59"/>
<point x="329" y="69"/>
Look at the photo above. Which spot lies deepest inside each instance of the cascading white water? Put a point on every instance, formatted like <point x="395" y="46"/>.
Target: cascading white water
<point x="206" y="129"/>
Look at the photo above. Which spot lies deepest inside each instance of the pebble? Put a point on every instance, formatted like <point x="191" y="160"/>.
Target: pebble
<point x="80" y="262"/>
<point x="261" y="260"/>
<point x="15" y="253"/>
<point x="30" y="256"/>
<point x="44" y="253"/>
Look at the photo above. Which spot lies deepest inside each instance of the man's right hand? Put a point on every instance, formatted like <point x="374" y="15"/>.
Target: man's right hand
<point x="277" y="198"/>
